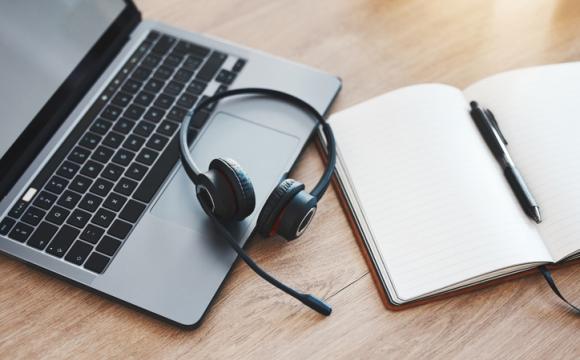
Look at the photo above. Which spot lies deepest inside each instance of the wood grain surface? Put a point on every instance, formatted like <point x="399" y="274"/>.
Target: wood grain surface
<point x="374" y="46"/>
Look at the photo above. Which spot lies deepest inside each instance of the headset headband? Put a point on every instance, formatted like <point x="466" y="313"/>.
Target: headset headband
<point x="193" y="171"/>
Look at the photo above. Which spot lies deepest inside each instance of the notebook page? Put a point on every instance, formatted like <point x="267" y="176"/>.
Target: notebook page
<point x="537" y="110"/>
<point x="438" y="209"/>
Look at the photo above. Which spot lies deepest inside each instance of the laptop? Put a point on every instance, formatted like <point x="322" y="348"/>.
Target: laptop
<point x="91" y="188"/>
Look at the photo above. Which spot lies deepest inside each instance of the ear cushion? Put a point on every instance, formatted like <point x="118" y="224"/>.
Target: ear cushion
<point x="275" y="203"/>
<point x="240" y="184"/>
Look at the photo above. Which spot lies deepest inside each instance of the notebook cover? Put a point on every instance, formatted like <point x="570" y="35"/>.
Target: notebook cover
<point x="375" y="275"/>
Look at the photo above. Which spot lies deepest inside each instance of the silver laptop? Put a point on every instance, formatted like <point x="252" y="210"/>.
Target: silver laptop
<point x="91" y="189"/>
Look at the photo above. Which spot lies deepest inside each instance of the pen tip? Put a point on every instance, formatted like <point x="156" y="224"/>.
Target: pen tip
<point x="473" y="104"/>
<point x="536" y="214"/>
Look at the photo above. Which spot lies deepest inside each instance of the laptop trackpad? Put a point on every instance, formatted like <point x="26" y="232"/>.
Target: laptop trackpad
<point x="264" y="153"/>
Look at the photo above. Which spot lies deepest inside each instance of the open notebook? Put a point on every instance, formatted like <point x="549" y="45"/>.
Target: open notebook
<point x="430" y="200"/>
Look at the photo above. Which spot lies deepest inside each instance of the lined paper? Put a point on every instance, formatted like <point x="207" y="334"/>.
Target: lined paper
<point x="537" y="109"/>
<point x="438" y="207"/>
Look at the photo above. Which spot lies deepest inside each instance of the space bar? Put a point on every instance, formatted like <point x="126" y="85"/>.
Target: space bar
<point x="158" y="172"/>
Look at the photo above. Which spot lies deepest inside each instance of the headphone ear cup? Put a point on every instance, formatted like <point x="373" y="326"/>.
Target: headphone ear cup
<point x="240" y="184"/>
<point x="275" y="203"/>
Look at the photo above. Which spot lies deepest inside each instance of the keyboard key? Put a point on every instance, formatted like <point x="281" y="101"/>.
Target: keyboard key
<point x="112" y="172"/>
<point x="57" y="215"/>
<point x="183" y="75"/>
<point x="101" y="126"/>
<point x="187" y="100"/>
<point x="144" y="98"/>
<point x="78" y="252"/>
<point x="151" y="61"/>
<point x="102" y="154"/>
<point x="173" y="88"/>
<point x="69" y="199"/>
<point x="185" y="47"/>
<point x="44" y="200"/>
<point x="101" y="187"/>
<point x="167" y="128"/>
<point x="33" y="215"/>
<point x="144" y="128"/>
<point x="173" y="60"/>
<point x="91" y="169"/>
<point x="239" y="65"/>
<point x="120" y="229"/>
<point x="136" y="171"/>
<point x="80" y="184"/>
<point x="109" y="245"/>
<point x="114" y="202"/>
<point x="90" y="140"/>
<point x="6" y="224"/>
<point x="225" y="77"/>
<point x="132" y="86"/>
<point x="210" y="106"/>
<point x="79" y="218"/>
<point x="122" y="99"/>
<point x="79" y="155"/>
<point x="90" y="202"/>
<point x="112" y="112"/>
<point x="163" y="73"/>
<point x="134" y="112"/>
<point x="103" y="218"/>
<point x="21" y="232"/>
<point x="164" y="101"/>
<point x="154" y="85"/>
<point x="124" y="126"/>
<point x="199" y="119"/>
<point x="132" y="211"/>
<point x="147" y="156"/>
<point x="134" y="143"/>
<point x="163" y="45"/>
<point x="92" y="233"/>
<point x="123" y="157"/>
<point x="114" y="140"/>
<point x="18" y="209"/>
<point x="192" y="63"/>
<point x="125" y="186"/>
<point x="154" y="114"/>
<point x="62" y="241"/>
<point x="197" y="87"/>
<point x="97" y="263"/>
<point x="141" y="74"/>
<point x="159" y="172"/>
<point x="157" y="142"/>
<point x="56" y="185"/>
<point x="211" y="66"/>
<point x="42" y="236"/>
<point x="176" y="114"/>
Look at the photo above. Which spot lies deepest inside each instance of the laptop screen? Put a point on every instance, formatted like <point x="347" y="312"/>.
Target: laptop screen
<point x="41" y="42"/>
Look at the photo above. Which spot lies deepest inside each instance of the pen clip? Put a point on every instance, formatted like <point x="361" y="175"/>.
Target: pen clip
<point x="493" y="121"/>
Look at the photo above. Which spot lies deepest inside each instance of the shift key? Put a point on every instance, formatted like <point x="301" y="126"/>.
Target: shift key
<point x="62" y="241"/>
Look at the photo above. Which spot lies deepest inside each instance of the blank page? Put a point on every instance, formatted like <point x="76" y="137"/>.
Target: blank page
<point x="438" y="207"/>
<point x="538" y="112"/>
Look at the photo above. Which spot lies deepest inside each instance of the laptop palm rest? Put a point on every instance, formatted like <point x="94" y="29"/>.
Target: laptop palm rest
<point x="264" y="153"/>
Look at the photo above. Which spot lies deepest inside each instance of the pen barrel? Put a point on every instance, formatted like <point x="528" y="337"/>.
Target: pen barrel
<point x="520" y="189"/>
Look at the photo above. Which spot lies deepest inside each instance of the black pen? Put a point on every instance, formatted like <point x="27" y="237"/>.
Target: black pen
<point x="489" y="129"/>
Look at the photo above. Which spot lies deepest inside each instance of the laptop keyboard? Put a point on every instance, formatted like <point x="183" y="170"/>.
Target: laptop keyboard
<point x="88" y="197"/>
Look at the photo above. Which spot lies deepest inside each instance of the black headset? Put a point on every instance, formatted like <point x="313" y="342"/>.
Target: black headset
<point x="226" y="194"/>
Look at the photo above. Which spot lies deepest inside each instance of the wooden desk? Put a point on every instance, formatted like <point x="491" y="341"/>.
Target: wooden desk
<point x="375" y="46"/>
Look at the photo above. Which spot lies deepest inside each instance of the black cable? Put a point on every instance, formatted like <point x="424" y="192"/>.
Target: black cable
<point x="307" y="299"/>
